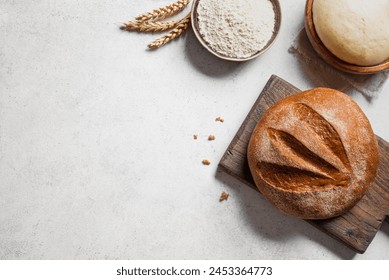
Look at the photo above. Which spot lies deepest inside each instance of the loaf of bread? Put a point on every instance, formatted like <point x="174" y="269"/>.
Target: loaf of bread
<point x="313" y="154"/>
<point x="355" y="31"/>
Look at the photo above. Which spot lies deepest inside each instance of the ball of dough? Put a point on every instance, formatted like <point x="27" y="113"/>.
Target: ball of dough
<point x="356" y="31"/>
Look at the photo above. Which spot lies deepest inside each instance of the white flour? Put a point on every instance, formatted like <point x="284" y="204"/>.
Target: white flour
<point x="236" y="28"/>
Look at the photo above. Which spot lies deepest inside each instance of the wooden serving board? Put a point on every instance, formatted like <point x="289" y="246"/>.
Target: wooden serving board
<point x="357" y="227"/>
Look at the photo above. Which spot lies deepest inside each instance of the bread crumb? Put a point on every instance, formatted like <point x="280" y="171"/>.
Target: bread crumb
<point x="195" y="136"/>
<point x="206" y="162"/>
<point x="224" y="196"/>
<point x="219" y="119"/>
<point x="211" y="137"/>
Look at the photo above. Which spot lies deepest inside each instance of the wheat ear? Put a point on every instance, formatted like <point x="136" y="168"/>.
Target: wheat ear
<point x="175" y="33"/>
<point x="164" y="12"/>
<point x="152" y="26"/>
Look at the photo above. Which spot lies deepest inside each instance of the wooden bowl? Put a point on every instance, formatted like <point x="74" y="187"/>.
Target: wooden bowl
<point x="195" y="26"/>
<point x="330" y="58"/>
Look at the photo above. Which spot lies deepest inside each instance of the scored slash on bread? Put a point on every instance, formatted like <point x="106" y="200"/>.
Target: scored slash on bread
<point x="325" y="157"/>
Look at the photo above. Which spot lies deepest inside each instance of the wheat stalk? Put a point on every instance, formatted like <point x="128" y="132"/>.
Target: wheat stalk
<point x="175" y="33"/>
<point x="164" y="12"/>
<point x="156" y="26"/>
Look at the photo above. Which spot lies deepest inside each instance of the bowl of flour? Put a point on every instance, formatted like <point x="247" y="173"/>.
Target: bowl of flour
<point x="236" y="30"/>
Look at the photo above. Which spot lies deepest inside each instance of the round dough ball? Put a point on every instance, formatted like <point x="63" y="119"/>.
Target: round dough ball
<point x="356" y="31"/>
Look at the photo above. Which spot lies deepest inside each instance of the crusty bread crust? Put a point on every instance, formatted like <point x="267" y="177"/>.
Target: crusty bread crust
<point x="314" y="154"/>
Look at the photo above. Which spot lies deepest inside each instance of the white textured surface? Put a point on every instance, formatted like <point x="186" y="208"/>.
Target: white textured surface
<point x="97" y="158"/>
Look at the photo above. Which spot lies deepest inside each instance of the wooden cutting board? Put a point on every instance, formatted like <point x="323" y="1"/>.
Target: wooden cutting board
<point x="355" y="228"/>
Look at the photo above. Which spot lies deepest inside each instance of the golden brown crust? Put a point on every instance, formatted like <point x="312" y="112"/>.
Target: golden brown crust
<point x="314" y="154"/>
